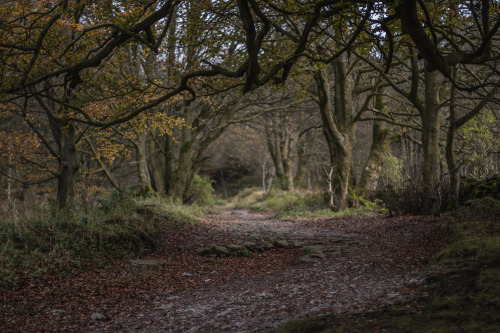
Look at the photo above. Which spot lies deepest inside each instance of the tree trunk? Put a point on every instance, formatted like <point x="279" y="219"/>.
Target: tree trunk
<point x="155" y="161"/>
<point x="287" y="143"/>
<point x="180" y="158"/>
<point x="156" y="165"/>
<point x="380" y="146"/>
<point x="274" y="148"/>
<point x="277" y="144"/>
<point x="430" y="142"/>
<point x="142" y="162"/>
<point x="181" y="174"/>
<point x="339" y="127"/>
<point x="68" y="164"/>
<point x="452" y="167"/>
<point x="64" y="134"/>
<point x="454" y="124"/>
<point x="170" y="163"/>
<point x="331" y="194"/>
<point x="183" y="158"/>
<point x="341" y="177"/>
<point x="450" y="152"/>
<point x="303" y="148"/>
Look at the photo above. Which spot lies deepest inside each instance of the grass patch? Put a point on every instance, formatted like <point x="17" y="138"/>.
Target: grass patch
<point x="39" y="239"/>
<point x="462" y="294"/>
<point x="248" y="198"/>
<point x="295" y="204"/>
<point x="174" y="212"/>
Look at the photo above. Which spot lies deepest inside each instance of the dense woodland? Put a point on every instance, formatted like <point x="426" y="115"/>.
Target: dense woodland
<point x="231" y="165"/>
<point x="356" y="99"/>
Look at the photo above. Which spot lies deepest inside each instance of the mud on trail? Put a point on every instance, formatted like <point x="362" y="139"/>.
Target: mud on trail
<point x="330" y="266"/>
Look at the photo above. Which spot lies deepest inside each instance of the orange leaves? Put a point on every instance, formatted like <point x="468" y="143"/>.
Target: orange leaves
<point x="43" y="36"/>
<point x="111" y="144"/>
<point x="107" y="147"/>
<point x="163" y="123"/>
<point x="19" y="143"/>
<point x="24" y="155"/>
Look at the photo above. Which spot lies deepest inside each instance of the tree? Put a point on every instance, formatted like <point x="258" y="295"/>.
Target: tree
<point x="456" y="122"/>
<point x="443" y="42"/>
<point x="73" y="40"/>
<point x="287" y="127"/>
<point x="340" y="113"/>
<point x="381" y="140"/>
<point x="65" y="45"/>
<point x="60" y="56"/>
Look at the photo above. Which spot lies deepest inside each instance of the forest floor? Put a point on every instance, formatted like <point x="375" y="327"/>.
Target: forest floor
<point x="365" y="264"/>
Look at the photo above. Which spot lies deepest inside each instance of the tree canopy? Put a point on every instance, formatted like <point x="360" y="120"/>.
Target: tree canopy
<point x="82" y="74"/>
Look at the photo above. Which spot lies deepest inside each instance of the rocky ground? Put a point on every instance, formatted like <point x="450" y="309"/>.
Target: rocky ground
<point x="288" y="269"/>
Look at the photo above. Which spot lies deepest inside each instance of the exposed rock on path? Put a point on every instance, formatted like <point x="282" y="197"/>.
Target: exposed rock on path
<point x="352" y="265"/>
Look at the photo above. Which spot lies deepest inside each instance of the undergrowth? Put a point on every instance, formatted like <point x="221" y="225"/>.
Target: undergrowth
<point x="297" y="204"/>
<point x="38" y="239"/>
<point x="462" y="291"/>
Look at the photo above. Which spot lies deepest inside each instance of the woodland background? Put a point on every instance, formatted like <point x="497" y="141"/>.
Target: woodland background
<point x="351" y="98"/>
<point x="137" y="129"/>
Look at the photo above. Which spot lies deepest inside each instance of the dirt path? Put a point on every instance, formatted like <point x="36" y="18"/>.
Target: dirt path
<point x="365" y="263"/>
<point x="377" y="265"/>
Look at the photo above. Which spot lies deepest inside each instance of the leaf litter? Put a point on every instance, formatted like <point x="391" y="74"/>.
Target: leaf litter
<point x="369" y="263"/>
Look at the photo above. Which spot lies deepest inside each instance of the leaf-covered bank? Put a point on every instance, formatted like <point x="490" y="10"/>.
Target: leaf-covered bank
<point x="41" y="239"/>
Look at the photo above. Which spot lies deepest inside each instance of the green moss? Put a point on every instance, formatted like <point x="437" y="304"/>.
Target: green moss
<point x="148" y="192"/>
<point x="305" y="325"/>
<point x="243" y="253"/>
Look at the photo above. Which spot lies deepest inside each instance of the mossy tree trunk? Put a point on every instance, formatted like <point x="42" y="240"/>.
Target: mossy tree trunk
<point x="155" y="140"/>
<point x="179" y="158"/>
<point x="141" y="65"/>
<point x="180" y="162"/>
<point x="281" y="140"/>
<point x="339" y="126"/>
<point x="429" y="111"/>
<point x="156" y="162"/>
<point x="142" y="162"/>
<point x="274" y="148"/>
<point x="381" y="140"/>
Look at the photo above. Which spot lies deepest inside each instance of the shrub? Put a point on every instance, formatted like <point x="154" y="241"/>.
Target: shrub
<point x="480" y="188"/>
<point x="174" y="212"/>
<point x="406" y="200"/>
<point x="202" y="191"/>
